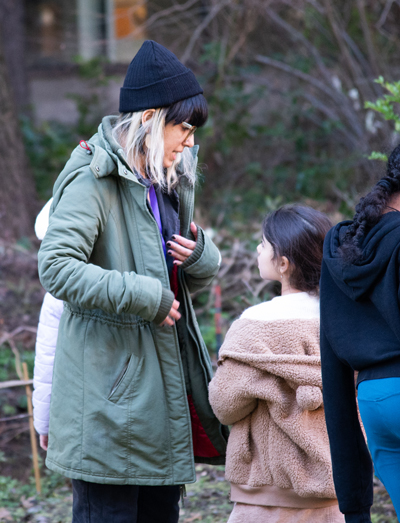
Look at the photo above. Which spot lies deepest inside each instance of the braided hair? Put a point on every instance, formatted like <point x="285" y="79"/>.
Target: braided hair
<point x="370" y="209"/>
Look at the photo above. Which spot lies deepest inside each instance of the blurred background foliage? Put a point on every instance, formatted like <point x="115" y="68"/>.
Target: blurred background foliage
<point x="300" y="93"/>
<point x="292" y="98"/>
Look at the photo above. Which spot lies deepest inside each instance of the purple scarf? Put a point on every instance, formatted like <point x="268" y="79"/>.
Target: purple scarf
<point x="156" y="212"/>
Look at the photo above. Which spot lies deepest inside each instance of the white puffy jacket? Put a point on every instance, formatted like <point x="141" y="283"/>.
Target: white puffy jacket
<point x="46" y="341"/>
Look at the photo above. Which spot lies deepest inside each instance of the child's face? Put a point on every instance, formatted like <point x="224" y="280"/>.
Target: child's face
<point x="267" y="266"/>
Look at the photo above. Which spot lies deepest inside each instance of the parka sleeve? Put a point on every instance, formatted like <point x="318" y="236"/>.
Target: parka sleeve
<point x="203" y="264"/>
<point x="78" y="218"/>
<point x="351" y="461"/>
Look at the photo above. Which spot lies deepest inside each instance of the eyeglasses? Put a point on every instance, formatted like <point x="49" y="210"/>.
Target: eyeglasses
<point x="192" y="129"/>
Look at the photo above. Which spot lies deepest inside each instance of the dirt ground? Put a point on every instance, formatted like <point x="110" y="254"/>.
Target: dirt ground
<point x="206" y="501"/>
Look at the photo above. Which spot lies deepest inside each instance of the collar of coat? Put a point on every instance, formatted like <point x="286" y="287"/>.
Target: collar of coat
<point x="109" y="158"/>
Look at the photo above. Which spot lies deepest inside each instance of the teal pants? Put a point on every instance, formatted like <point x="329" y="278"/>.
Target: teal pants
<point x="379" y="403"/>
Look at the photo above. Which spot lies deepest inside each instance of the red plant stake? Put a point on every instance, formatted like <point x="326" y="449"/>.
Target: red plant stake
<point x="217" y="317"/>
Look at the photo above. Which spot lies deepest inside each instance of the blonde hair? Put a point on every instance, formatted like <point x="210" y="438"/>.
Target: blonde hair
<point x="130" y="133"/>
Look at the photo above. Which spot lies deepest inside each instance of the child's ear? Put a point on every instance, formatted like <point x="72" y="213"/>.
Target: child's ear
<point x="284" y="265"/>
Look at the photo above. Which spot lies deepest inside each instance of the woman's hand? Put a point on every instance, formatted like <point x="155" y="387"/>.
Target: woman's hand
<point x="44" y="441"/>
<point x="173" y="314"/>
<point x="181" y="248"/>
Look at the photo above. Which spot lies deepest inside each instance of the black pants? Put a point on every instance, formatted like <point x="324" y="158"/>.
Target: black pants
<point x="96" y="503"/>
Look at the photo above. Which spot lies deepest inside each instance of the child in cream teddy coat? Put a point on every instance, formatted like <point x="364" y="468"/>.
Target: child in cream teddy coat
<point x="268" y="385"/>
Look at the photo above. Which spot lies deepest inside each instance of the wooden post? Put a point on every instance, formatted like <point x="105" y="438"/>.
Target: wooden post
<point x="32" y="430"/>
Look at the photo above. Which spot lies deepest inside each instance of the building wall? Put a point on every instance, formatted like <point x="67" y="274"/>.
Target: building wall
<point x="60" y="32"/>
<point x="51" y="97"/>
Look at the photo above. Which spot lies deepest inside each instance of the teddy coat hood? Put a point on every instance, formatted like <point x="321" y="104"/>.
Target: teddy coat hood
<point x="268" y="385"/>
<point x="119" y="408"/>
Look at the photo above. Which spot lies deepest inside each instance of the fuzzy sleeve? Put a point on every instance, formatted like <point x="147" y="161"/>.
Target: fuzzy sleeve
<point x="229" y="392"/>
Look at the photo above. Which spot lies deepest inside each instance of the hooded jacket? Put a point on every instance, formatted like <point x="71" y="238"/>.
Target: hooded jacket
<point x="360" y="331"/>
<point x="268" y="385"/>
<point x="120" y="412"/>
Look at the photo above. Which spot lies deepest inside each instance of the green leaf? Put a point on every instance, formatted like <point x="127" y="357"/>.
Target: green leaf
<point x="378" y="156"/>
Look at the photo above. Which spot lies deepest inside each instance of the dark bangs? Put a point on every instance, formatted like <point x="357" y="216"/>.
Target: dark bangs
<point x="193" y="110"/>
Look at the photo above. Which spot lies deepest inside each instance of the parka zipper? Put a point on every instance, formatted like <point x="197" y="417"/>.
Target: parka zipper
<point x="119" y="378"/>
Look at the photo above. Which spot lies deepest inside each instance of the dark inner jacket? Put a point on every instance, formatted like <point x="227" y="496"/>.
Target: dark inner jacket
<point x="168" y="204"/>
<point x="360" y="331"/>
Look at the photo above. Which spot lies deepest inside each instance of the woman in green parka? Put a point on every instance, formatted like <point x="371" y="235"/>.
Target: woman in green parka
<point x="129" y="410"/>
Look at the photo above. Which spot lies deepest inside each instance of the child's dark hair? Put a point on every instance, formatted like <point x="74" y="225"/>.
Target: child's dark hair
<point x="370" y="208"/>
<point x="298" y="232"/>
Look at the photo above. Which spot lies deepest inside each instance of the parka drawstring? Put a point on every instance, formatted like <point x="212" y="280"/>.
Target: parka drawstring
<point x="85" y="146"/>
<point x="182" y="488"/>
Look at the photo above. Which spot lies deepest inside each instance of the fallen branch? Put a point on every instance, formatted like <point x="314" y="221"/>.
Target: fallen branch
<point x="15" y="383"/>
<point x="9" y="335"/>
<point x="13" y="418"/>
<point x="8" y="338"/>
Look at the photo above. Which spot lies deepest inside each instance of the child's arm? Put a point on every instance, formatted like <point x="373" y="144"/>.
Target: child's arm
<point x="44" y="359"/>
<point x="230" y="391"/>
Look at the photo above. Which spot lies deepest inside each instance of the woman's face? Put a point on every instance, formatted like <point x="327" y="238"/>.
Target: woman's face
<point x="176" y="138"/>
<point x="267" y="266"/>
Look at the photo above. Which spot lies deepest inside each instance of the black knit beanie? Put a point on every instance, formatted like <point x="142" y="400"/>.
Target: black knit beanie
<point x="156" y="78"/>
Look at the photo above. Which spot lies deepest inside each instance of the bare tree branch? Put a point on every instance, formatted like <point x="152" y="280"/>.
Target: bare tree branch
<point x="352" y="65"/>
<point x="374" y="89"/>
<point x="201" y="27"/>
<point x="385" y="12"/>
<point x="318" y="7"/>
<point x="9" y="335"/>
<point x="176" y="8"/>
<point x="297" y="35"/>
<point x="338" y="35"/>
<point x="367" y="37"/>
<point x="344" y="107"/>
<point x="299" y="74"/>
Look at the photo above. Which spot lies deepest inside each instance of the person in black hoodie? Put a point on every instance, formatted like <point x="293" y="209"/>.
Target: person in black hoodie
<point x="360" y="331"/>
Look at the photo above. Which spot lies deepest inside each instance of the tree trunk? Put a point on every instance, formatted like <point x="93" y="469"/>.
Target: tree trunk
<point x="17" y="190"/>
<point x="13" y="35"/>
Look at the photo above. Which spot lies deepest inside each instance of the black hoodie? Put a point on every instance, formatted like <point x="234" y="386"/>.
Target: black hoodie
<point x="360" y="331"/>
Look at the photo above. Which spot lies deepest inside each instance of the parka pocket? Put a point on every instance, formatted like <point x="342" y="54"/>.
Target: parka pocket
<point x="125" y="378"/>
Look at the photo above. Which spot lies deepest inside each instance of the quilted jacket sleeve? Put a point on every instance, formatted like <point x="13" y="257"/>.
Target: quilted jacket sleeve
<point x="44" y="360"/>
